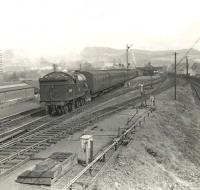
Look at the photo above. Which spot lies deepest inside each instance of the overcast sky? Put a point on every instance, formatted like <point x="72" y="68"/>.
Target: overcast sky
<point x="63" y="26"/>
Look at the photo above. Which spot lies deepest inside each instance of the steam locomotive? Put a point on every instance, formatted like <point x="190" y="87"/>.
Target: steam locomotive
<point x="61" y="92"/>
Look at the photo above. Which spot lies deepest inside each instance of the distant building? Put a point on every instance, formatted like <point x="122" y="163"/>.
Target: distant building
<point x="149" y="69"/>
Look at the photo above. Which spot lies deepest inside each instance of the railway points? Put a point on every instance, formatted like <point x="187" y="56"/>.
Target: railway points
<point x="38" y="144"/>
<point x="29" y="145"/>
<point x="11" y="143"/>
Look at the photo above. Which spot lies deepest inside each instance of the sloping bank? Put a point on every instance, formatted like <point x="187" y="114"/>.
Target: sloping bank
<point x="165" y="152"/>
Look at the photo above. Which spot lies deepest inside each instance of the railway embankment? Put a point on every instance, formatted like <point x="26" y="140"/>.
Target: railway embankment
<point x="165" y="151"/>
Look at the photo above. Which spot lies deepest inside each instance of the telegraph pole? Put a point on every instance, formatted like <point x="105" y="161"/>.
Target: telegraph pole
<point x="187" y="66"/>
<point x="1" y="65"/>
<point x="175" y="76"/>
<point x="151" y="79"/>
<point x="127" y="63"/>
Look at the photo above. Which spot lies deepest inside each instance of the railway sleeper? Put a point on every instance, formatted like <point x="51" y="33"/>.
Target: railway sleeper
<point x="51" y="132"/>
<point x="60" y="135"/>
<point x="5" y="167"/>
<point x="12" y="163"/>
<point x="20" y="146"/>
<point x="4" y="153"/>
<point x="45" y="135"/>
<point x="42" y="147"/>
<point x="28" y="154"/>
<point x="36" y="150"/>
<point x="44" y="144"/>
<point x="27" y="143"/>
<point x="32" y="141"/>
<point x="37" y="139"/>
<point x="21" y="157"/>
<point x="61" y="132"/>
<point x="53" y="141"/>
<point x="16" y="147"/>
<point x="11" y="149"/>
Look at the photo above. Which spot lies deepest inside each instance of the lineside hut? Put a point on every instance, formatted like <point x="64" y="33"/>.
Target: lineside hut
<point x="149" y="69"/>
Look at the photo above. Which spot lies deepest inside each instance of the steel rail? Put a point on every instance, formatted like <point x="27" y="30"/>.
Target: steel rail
<point x="62" y="130"/>
<point x="20" y="127"/>
<point x="35" y="110"/>
<point x="55" y="135"/>
<point x="117" y="141"/>
<point x="29" y="134"/>
<point x="196" y="87"/>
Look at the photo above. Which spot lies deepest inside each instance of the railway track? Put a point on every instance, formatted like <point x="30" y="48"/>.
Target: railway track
<point x="23" y="130"/>
<point x="14" y="153"/>
<point x="86" y="177"/>
<point x="196" y="87"/>
<point x="16" y="124"/>
<point x="19" y="150"/>
<point x="19" y="116"/>
<point x="11" y="128"/>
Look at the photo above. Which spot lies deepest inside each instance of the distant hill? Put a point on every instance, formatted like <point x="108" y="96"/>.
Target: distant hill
<point x="102" y="55"/>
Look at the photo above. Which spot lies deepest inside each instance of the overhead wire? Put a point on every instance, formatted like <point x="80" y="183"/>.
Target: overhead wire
<point x="171" y="54"/>
<point x="188" y="51"/>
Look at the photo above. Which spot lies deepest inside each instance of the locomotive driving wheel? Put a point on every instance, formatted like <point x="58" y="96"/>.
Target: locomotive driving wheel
<point x="70" y="107"/>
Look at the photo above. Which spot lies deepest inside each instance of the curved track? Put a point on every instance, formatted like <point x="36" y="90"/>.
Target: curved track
<point x="16" y="124"/>
<point x="42" y="135"/>
<point x="196" y="86"/>
<point x="19" y="116"/>
<point x="86" y="177"/>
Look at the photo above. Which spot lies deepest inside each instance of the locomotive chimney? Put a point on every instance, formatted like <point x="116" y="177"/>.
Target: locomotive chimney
<point x="54" y="67"/>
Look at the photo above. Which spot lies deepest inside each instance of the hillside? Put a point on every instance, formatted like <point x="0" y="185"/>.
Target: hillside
<point x="101" y="55"/>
